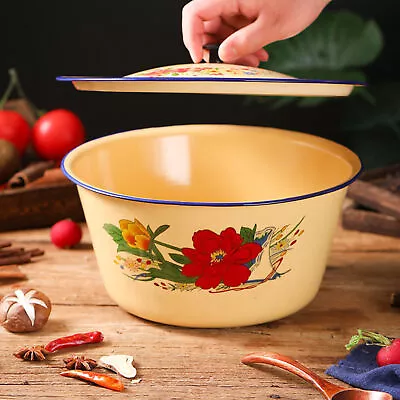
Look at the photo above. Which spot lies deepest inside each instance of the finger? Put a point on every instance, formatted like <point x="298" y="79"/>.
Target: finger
<point x="212" y="26"/>
<point x="249" y="60"/>
<point x="193" y="30"/>
<point x="216" y="31"/>
<point x="270" y="27"/>
<point x="193" y="16"/>
<point x="219" y="30"/>
<point x="250" y="38"/>
<point x="262" y="54"/>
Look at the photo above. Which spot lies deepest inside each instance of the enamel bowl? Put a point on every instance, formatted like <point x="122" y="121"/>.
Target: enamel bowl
<point x="211" y="225"/>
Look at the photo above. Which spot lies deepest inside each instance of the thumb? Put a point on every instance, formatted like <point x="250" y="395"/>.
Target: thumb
<point x="250" y="39"/>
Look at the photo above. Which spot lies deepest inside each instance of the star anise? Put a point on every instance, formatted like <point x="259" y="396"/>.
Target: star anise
<point x="80" y="362"/>
<point x="32" y="353"/>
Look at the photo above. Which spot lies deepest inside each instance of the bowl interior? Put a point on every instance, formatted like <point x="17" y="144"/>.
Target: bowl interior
<point x="211" y="163"/>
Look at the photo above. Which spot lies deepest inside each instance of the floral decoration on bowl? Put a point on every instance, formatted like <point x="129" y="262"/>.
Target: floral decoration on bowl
<point x="217" y="262"/>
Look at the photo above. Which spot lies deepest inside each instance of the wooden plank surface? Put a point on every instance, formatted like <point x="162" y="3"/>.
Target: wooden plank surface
<point x="180" y="363"/>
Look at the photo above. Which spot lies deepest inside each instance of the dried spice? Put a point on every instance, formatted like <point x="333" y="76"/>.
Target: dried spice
<point x="74" y="340"/>
<point x="11" y="272"/>
<point x="80" y="362"/>
<point x="32" y="353"/>
<point x="24" y="310"/>
<point x="29" y="174"/>
<point x="119" y="363"/>
<point x="96" y="378"/>
<point x="39" y="352"/>
<point x="17" y="255"/>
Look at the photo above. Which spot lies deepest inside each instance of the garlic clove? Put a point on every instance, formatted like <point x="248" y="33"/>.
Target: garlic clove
<point x="119" y="363"/>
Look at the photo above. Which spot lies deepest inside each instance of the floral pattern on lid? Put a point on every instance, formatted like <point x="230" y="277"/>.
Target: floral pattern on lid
<point x="210" y="70"/>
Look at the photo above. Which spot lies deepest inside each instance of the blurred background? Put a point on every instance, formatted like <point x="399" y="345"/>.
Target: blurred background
<point x="352" y="39"/>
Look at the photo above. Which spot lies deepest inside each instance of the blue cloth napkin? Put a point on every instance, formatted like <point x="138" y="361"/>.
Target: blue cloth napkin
<point x="359" y="369"/>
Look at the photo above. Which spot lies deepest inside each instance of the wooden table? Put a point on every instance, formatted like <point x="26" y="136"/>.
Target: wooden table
<point x="179" y="363"/>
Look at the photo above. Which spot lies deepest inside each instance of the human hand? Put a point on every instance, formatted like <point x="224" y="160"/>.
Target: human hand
<point x="244" y="27"/>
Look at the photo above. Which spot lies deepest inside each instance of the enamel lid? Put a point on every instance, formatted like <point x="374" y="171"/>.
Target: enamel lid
<point x="213" y="78"/>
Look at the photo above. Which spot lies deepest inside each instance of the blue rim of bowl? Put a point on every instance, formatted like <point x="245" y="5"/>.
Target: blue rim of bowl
<point x="203" y="79"/>
<point x="207" y="203"/>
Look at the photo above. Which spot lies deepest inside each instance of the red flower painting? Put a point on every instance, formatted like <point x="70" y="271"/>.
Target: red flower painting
<point x="219" y="258"/>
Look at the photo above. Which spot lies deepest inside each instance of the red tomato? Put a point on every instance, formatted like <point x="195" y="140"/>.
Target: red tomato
<point x="56" y="133"/>
<point x="389" y="354"/>
<point x="14" y="129"/>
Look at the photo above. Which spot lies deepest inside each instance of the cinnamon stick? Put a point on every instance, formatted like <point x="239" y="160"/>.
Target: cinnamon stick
<point x="382" y="172"/>
<point x="19" y="259"/>
<point x="11" y="272"/>
<point x="29" y="174"/>
<point x="51" y="177"/>
<point x="35" y="252"/>
<point x="370" y="221"/>
<point x="12" y="252"/>
<point x="18" y="256"/>
<point x="375" y="198"/>
<point x="392" y="184"/>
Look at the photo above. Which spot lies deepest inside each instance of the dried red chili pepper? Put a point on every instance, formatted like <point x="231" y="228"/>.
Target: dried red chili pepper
<point x="74" y="340"/>
<point x="96" y="378"/>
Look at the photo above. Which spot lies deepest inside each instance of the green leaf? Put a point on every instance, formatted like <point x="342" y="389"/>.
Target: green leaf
<point x="384" y="111"/>
<point x="279" y="102"/>
<point x="180" y="258"/>
<point x="114" y="232"/>
<point x="247" y="234"/>
<point x="170" y="266"/>
<point x="331" y="75"/>
<point x="311" y="101"/>
<point x="376" y="147"/>
<point x="336" y="41"/>
<point x="157" y="253"/>
<point x="169" y="272"/>
<point x="334" y="47"/>
<point x="160" y="230"/>
<point x="133" y="250"/>
<point x="367" y="337"/>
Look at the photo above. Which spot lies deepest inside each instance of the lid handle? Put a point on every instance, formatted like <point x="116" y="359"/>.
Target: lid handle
<point x="213" y="49"/>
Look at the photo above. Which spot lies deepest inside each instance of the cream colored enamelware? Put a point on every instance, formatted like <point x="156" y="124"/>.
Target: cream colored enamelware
<point x="214" y="78"/>
<point x="212" y="186"/>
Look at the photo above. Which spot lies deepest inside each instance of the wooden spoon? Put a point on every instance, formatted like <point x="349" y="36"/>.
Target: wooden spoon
<point x="328" y="389"/>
